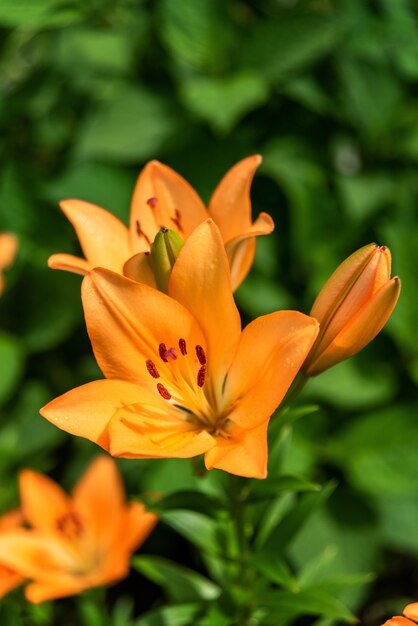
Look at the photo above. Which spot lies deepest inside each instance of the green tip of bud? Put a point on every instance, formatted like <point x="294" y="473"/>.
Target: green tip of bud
<point x="164" y="251"/>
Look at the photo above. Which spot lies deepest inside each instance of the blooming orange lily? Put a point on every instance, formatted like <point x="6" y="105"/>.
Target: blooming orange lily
<point x="162" y="198"/>
<point x="75" y="542"/>
<point x="8" y="249"/>
<point x="410" y="617"/>
<point x="9" y="579"/>
<point x="182" y="378"/>
<point x="352" y="307"/>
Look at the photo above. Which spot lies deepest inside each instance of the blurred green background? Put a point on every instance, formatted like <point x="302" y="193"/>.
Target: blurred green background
<point x="327" y="92"/>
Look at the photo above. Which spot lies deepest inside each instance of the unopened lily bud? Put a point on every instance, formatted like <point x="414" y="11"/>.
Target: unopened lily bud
<point x="164" y="251"/>
<point x="352" y="307"/>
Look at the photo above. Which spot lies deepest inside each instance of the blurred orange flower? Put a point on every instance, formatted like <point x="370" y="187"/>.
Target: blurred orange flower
<point x="410" y="616"/>
<point x="352" y="307"/>
<point x="77" y="541"/>
<point x="9" y="579"/>
<point x="8" y="249"/>
<point x="184" y="379"/>
<point x="163" y="198"/>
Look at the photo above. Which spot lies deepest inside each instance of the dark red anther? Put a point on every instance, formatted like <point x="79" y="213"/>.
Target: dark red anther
<point x="163" y="391"/>
<point x="182" y="346"/>
<point x="383" y="248"/>
<point x="69" y="524"/>
<point x="162" y="349"/>
<point x="171" y="353"/>
<point x="152" y="202"/>
<point x="152" y="369"/>
<point x="200" y="353"/>
<point x="201" y="375"/>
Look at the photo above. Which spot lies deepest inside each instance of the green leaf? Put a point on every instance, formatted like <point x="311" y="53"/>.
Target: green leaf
<point x="348" y="387"/>
<point x="106" y="185"/>
<point x="191" y="500"/>
<point x="181" y="583"/>
<point x="52" y="308"/>
<point x="291" y="524"/>
<point x="313" y="601"/>
<point x="35" y="14"/>
<point x="178" y="615"/>
<point x="134" y="126"/>
<point x="202" y="531"/>
<point x="290" y="42"/>
<point x="11" y="365"/>
<point x="35" y="433"/>
<point x="195" y="33"/>
<point x="264" y="490"/>
<point x="379" y="451"/>
<point x="223" y="102"/>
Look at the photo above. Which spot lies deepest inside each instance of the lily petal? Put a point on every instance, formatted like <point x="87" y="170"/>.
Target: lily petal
<point x="139" y="268"/>
<point x="43" y="501"/>
<point x="128" y="321"/>
<point x="244" y="453"/>
<point x="241" y="249"/>
<point x="8" y="248"/>
<point x="87" y="410"/>
<point x="200" y="280"/>
<point x="104" y="239"/>
<point x="270" y="353"/>
<point x="8" y="580"/>
<point x="230" y="205"/>
<point x="70" y="263"/>
<point x="138" y="432"/>
<point x="163" y="198"/>
<point x="138" y="524"/>
<point x="102" y="510"/>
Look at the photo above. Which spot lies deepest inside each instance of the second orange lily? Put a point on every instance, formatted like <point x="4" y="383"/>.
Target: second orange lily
<point x="162" y="198"/>
<point x="182" y="378"/>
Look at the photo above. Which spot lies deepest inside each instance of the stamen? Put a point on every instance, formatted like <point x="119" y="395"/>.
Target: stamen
<point x="177" y="220"/>
<point x="171" y="352"/>
<point x="163" y="391"/>
<point x="162" y="349"/>
<point x="141" y="233"/>
<point x="182" y="346"/>
<point x="152" y="202"/>
<point x="69" y="525"/>
<point x="152" y="369"/>
<point x="201" y="375"/>
<point x="200" y="353"/>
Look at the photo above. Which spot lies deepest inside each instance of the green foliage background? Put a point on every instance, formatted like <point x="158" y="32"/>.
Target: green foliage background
<point x="327" y="92"/>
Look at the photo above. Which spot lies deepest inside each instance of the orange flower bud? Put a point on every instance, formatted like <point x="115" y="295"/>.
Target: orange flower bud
<point x="398" y="621"/>
<point x="352" y="307"/>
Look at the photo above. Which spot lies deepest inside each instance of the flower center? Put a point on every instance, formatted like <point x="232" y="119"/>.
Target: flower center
<point x="70" y="525"/>
<point x="185" y="386"/>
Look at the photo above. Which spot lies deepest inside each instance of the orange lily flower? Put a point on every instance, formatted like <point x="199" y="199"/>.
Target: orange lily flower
<point x="77" y="541"/>
<point x="163" y="198"/>
<point x="9" y="579"/>
<point x="183" y="379"/>
<point x="352" y="307"/>
<point x="8" y="249"/>
<point x="410" y="617"/>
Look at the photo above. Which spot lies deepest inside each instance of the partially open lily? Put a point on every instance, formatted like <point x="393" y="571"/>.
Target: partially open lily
<point x="9" y="578"/>
<point x="8" y="249"/>
<point x="162" y="198"/>
<point x="182" y="378"/>
<point x="77" y="541"/>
